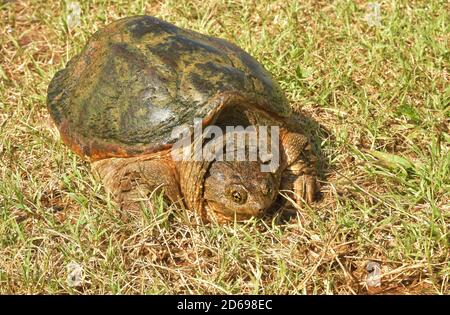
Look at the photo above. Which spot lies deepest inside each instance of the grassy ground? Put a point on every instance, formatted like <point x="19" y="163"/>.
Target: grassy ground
<point x="379" y="93"/>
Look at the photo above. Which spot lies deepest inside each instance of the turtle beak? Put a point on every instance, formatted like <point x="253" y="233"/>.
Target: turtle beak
<point x="223" y="214"/>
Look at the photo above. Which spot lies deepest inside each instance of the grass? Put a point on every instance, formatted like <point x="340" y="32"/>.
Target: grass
<point x="380" y="94"/>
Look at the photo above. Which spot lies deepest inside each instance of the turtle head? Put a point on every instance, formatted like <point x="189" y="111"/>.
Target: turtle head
<point x="239" y="189"/>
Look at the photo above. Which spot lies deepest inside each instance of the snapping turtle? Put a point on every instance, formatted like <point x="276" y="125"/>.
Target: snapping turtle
<point x="136" y="81"/>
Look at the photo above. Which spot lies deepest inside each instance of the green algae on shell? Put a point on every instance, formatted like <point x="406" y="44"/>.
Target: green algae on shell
<point x="140" y="77"/>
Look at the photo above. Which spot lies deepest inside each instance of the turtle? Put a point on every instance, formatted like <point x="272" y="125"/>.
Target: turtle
<point x="119" y="101"/>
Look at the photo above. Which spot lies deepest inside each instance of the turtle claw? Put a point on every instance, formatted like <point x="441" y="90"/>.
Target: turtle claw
<point x="305" y="190"/>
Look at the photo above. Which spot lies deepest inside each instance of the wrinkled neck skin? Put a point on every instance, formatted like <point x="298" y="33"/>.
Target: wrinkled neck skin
<point x="208" y="189"/>
<point x="191" y="176"/>
<point x="212" y="187"/>
<point x="208" y="186"/>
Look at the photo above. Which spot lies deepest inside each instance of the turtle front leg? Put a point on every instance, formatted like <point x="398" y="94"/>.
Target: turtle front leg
<point x="133" y="180"/>
<point x="299" y="174"/>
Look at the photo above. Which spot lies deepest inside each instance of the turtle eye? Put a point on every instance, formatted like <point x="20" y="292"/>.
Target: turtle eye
<point x="238" y="196"/>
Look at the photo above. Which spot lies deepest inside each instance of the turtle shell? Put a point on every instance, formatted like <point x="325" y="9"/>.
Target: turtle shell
<point x="140" y="77"/>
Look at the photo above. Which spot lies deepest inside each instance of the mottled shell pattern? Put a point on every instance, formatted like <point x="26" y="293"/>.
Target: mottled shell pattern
<point x="140" y="77"/>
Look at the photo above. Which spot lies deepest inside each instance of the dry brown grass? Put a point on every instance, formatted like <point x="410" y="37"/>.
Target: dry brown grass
<point x="370" y="89"/>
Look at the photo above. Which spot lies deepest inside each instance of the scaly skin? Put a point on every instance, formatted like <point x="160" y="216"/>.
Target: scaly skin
<point x="205" y="187"/>
<point x="137" y="79"/>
